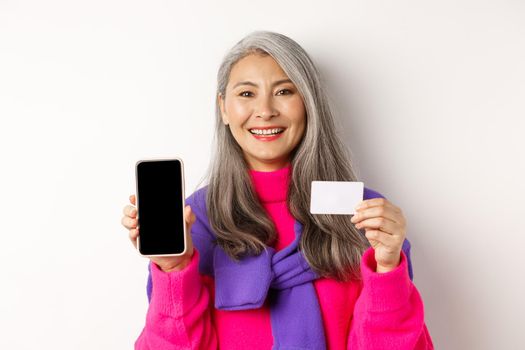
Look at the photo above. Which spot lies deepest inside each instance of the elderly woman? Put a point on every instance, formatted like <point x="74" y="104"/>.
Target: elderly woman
<point x="262" y="272"/>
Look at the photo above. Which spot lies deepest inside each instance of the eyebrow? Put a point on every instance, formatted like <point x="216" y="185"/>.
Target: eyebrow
<point x="253" y="84"/>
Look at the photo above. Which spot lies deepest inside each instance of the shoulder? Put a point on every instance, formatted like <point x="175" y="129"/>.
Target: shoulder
<point x="197" y="200"/>
<point x="370" y="193"/>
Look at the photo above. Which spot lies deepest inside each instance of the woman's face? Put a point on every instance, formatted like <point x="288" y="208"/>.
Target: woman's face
<point x="260" y="98"/>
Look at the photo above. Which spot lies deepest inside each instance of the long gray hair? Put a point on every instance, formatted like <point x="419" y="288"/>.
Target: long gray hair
<point x="331" y="244"/>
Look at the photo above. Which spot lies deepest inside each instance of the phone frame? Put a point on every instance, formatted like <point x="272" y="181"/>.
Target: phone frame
<point x="153" y="159"/>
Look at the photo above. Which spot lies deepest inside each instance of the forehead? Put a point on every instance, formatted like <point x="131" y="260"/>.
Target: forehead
<point x="256" y="67"/>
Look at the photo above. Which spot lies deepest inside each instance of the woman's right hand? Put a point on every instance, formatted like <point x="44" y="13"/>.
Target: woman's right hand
<point x="165" y="263"/>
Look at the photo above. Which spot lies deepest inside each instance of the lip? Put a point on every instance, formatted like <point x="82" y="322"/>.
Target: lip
<point x="266" y="138"/>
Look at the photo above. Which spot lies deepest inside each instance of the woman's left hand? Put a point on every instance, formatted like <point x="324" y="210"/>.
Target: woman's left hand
<point x="385" y="228"/>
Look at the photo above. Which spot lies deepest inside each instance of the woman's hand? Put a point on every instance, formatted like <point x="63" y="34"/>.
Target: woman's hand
<point x="165" y="263"/>
<point x="385" y="228"/>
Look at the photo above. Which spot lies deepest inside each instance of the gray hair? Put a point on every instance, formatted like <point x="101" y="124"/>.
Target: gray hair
<point x="331" y="244"/>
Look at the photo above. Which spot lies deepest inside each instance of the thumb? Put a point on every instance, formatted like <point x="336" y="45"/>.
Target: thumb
<point x="190" y="219"/>
<point x="189" y="216"/>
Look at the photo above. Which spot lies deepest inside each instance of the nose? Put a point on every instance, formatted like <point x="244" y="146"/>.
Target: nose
<point x="266" y="109"/>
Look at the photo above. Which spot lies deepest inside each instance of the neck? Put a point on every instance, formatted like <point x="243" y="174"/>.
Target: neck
<point x="267" y="167"/>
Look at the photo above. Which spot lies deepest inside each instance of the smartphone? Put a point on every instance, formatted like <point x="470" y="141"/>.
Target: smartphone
<point x="160" y="207"/>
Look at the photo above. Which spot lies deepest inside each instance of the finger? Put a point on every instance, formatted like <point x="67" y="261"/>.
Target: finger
<point x="128" y="222"/>
<point x="379" y="223"/>
<point x="132" y="199"/>
<point x="130" y="211"/>
<point x="384" y="238"/>
<point x="375" y="202"/>
<point x="380" y="211"/>
<point x="189" y="216"/>
<point x="193" y="217"/>
<point x="133" y="234"/>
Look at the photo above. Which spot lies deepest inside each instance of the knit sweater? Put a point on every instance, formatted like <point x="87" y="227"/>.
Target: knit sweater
<point x="383" y="311"/>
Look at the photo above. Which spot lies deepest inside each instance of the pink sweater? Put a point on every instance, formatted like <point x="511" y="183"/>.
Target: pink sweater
<point x="385" y="311"/>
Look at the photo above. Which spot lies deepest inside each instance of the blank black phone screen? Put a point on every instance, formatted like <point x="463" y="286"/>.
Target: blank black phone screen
<point x="160" y="207"/>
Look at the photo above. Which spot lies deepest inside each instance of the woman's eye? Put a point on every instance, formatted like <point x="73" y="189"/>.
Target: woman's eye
<point x="244" y="92"/>
<point x="288" y="91"/>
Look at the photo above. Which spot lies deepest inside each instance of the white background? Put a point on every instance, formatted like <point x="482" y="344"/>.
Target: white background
<point x="432" y="95"/>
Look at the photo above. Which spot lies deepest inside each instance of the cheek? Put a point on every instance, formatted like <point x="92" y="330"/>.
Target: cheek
<point x="294" y="108"/>
<point x="298" y="116"/>
<point x="237" y="111"/>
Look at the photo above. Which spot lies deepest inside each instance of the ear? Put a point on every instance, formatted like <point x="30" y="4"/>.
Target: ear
<point x="220" y="98"/>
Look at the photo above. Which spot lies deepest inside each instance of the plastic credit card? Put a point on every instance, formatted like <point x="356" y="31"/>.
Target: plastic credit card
<point x="335" y="197"/>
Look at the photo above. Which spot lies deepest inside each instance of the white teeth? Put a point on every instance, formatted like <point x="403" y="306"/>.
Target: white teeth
<point x="266" y="131"/>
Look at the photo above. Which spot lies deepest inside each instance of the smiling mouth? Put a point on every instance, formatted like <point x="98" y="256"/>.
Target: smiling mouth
<point x="266" y="132"/>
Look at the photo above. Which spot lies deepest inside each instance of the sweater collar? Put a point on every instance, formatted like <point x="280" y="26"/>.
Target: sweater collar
<point x="271" y="186"/>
